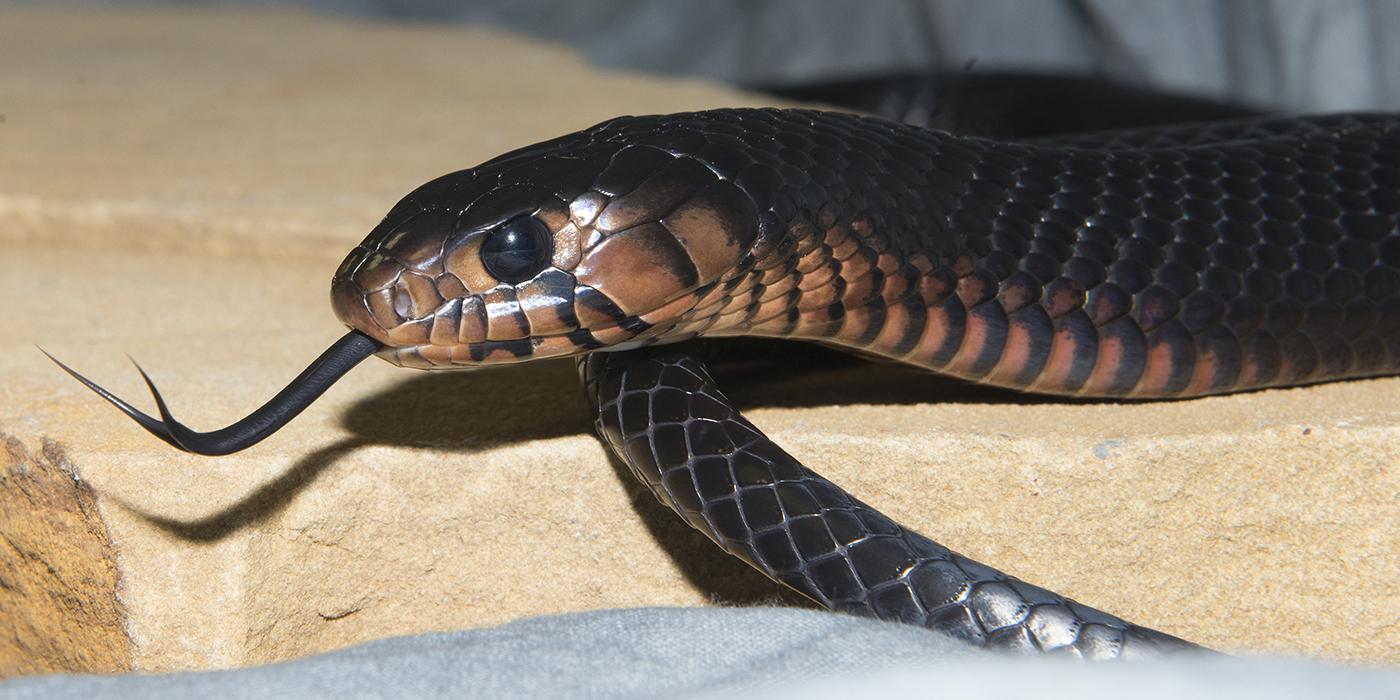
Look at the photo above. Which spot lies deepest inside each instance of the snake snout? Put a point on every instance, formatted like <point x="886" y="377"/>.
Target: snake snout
<point x="391" y="286"/>
<point x="386" y="300"/>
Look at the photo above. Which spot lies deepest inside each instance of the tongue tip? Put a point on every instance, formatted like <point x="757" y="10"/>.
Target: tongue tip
<point x="334" y="363"/>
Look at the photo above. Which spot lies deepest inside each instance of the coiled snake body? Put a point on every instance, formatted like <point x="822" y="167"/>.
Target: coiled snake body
<point x="1144" y="264"/>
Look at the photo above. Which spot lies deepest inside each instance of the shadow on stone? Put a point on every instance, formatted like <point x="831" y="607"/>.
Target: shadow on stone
<point x="470" y="411"/>
<point x="264" y="502"/>
<point x="474" y="410"/>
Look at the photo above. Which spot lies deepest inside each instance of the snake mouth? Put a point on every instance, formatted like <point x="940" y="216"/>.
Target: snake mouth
<point x="334" y="363"/>
<point x="624" y="336"/>
<point x="664" y="324"/>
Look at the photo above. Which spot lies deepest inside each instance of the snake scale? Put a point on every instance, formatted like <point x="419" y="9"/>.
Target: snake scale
<point x="1152" y="263"/>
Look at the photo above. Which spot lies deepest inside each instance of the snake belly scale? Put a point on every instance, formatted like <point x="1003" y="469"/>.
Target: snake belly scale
<point x="1164" y="263"/>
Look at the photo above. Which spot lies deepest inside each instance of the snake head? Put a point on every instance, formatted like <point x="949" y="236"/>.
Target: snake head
<point x="590" y="241"/>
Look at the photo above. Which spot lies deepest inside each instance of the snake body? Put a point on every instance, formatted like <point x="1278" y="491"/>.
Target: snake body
<point x="660" y="411"/>
<point x="1160" y="263"/>
<point x="1165" y="263"/>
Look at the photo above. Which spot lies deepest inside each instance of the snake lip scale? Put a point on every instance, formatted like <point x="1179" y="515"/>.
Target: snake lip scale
<point x="1146" y="264"/>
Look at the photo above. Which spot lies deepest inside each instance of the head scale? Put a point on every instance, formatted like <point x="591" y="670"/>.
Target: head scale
<point x="593" y="240"/>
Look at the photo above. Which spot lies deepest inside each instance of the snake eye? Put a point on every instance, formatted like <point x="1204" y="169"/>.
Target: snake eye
<point x="516" y="250"/>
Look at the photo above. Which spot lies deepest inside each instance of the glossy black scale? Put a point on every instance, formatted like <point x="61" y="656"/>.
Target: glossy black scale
<point x="1230" y="241"/>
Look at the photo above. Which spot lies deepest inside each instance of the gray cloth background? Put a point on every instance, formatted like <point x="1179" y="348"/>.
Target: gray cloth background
<point x="718" y="653"/>
<point x="1290" y="55"/>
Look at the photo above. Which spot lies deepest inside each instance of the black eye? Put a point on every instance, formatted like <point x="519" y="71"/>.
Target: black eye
<point x="516" y="250"/>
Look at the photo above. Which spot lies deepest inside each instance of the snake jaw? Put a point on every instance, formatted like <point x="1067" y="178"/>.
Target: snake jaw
<point x="338" y="359"/>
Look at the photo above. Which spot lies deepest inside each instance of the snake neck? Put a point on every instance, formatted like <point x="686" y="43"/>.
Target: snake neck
<point x="1137" y="264"/>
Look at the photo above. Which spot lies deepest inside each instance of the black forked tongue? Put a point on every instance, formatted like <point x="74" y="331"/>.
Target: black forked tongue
<point x="313" y="381"/>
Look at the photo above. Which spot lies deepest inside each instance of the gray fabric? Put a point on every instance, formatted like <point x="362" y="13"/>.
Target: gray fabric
<point x="1303" y="55"/>
<point x="716" y="653"/>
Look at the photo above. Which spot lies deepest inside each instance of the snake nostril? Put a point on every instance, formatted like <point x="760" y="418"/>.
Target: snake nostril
<point x="415" y="296"/>
<point x="403" y="303"/>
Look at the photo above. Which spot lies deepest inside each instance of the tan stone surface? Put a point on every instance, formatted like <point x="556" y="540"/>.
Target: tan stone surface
<point x="181" y="185"/>
<point x="58" y="573"/>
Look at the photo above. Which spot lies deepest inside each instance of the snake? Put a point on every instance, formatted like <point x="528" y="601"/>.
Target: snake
<point x="1149" y="263"/>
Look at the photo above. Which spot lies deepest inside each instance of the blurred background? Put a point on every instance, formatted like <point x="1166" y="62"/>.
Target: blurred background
<point x="1285" y="55"/>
